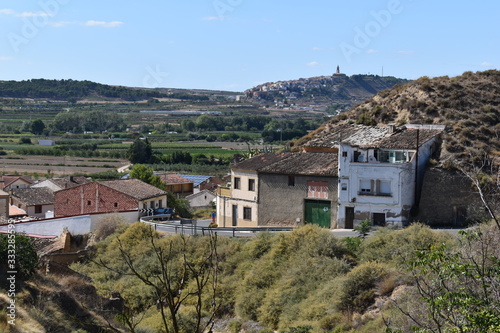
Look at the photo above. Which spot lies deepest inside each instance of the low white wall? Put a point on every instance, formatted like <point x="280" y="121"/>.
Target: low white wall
<point x="77" y="225"/>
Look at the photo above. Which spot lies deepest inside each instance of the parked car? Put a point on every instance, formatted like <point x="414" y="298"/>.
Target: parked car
<point x="164" y="211"/>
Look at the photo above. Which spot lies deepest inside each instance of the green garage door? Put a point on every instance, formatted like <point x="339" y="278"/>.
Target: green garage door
<point x="318" y="212"/>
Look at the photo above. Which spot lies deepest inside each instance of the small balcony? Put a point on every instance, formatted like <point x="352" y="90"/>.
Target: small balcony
<point x="224" y="191"/>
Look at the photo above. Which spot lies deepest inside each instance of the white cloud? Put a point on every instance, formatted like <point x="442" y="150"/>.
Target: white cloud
<point x="317" y="48"/>
<point x="212" y="18"/>
<point x="405" y="52"/>
<point x="5" y="58"/>
<point x="486" y="64"/>
<point x="33" y="14"/>
<point x="370" y="51"/>
<point x="61" y="24"/>
<point x="91" y="23"/>
<point x="313" y="64"/>
<point x="113" y="24"/>
<point x="7" y="11"/>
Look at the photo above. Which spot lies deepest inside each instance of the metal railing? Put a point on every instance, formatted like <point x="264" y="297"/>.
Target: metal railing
<point x="189" y="226"/>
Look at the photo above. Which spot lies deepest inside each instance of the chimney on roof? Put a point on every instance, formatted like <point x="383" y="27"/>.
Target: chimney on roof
<point x="392" y="128"/>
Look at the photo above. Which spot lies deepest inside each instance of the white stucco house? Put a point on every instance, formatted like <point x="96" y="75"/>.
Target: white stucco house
<point x="381" y="171"/>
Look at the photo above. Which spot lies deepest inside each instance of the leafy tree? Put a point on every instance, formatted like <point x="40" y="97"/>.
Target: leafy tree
<point x="178" y="273"/>
<point x="26" y="258"/>
<point x="364" y="228"/>
<point x="146" y="174"/>
<point x="37" y="127"/>
<point x="25" y="141"/>
<point x="188" y="125"/>
<point x="458" y="286"/>
<point x="140" y="151"/>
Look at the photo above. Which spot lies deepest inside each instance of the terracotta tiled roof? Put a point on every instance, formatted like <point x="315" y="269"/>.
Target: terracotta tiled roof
<point x="15" y="211"/>
<point x="8" y="180"/>
<point x="258" y="162"/>
<point x="172" y="178"/>
<point x="134" y="188"/>
<point x="293" y="164"/>
<point x="319" y="164"/>
<point x="407" y="139"/>
<point x="375" y="137"/>
<point x="69" y="182"/>
<point x="34" y="196"/>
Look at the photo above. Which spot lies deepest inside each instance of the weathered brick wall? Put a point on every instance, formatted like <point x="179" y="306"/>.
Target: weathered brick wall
<point x="91" y="198"/>
<point x="446" y="197"/>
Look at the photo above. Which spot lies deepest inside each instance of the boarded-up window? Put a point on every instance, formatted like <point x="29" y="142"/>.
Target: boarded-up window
<point x="317" y="190"/>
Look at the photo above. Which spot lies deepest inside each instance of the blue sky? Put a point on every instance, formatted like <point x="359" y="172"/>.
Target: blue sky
<point x="237" y="44"/>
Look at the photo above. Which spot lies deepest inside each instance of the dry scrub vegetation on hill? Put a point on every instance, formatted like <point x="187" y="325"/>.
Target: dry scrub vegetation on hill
<point x="467" y="104"/>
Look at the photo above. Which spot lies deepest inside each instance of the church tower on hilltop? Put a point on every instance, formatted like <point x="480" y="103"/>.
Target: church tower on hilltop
<point x="338" y="70"/>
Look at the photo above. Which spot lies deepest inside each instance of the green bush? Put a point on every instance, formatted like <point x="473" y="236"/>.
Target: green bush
<point x="234" y="326"/>
<point x="359" y="287"/>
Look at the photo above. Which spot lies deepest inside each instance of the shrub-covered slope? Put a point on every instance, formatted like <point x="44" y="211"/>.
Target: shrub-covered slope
<point x="467" y="104"/>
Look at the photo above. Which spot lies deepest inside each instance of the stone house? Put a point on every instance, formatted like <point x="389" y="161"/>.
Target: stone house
<point x="287" y="189"/>
<point x="35" y="202"/>
<point x="107" y="197"/>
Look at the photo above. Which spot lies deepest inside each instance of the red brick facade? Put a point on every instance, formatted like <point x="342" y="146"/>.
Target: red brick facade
<point x="92" y="198"/>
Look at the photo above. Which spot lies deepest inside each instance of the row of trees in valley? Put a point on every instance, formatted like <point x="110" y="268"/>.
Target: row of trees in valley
<point x="71" y="90"/>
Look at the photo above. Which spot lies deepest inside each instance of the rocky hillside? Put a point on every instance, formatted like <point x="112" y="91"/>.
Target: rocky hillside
<point x="468" y="104"/>
<point x="336" y="92"/>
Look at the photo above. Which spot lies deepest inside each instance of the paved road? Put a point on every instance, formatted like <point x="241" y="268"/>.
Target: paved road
<point x="177" y="227"/>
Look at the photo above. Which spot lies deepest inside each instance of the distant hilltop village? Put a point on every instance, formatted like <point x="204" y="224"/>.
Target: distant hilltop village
<point x="318" y="93"/>
<point x="293" y="87"/>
